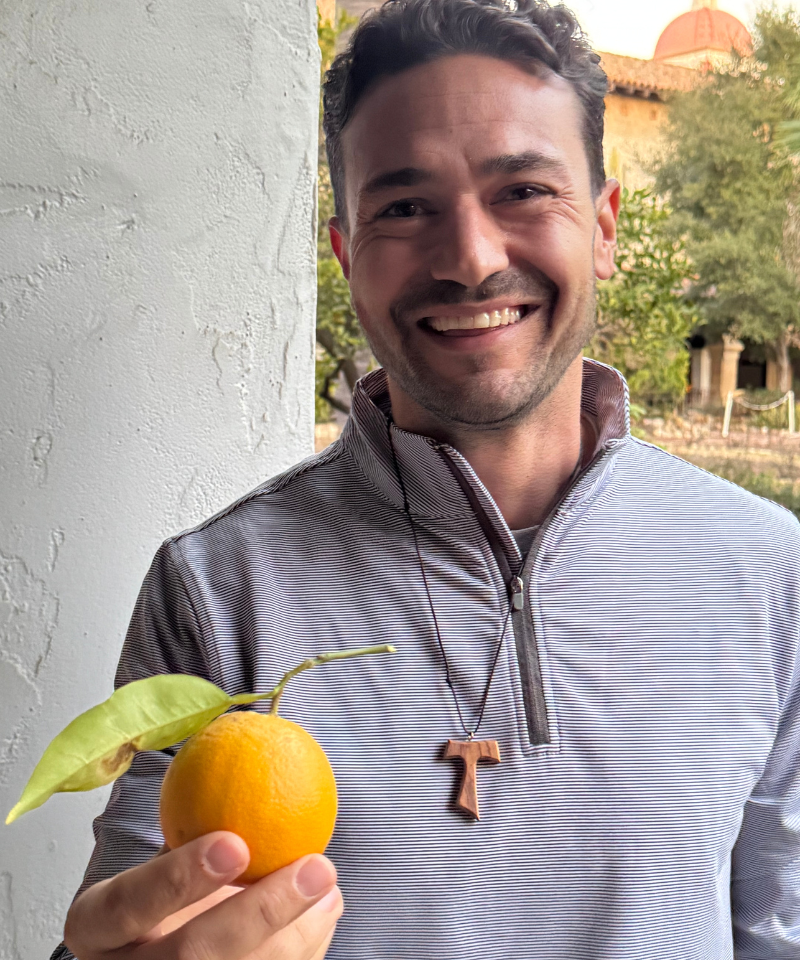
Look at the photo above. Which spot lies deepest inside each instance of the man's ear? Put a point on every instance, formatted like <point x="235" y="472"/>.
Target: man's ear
<point x="605" y="235"/>
<point x="339" y="244"/>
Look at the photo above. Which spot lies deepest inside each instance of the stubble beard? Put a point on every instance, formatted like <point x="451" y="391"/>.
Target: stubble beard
<point x="488" y="400"/>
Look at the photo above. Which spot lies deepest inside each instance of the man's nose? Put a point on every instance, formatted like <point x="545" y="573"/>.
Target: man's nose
<point x="470" y="246"/>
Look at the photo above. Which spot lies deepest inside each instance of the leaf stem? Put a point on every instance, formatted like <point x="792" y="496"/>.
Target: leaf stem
<point x="275" y="694"/>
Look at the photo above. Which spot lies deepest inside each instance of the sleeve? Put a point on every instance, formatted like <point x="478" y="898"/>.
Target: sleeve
<point x="163" y="637"/>
<point x="765" y="879"/>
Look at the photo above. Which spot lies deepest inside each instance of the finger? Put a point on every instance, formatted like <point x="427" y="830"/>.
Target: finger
<point x="119" y="911"/>
<point x="323" y="950"/>
<point x="243" y="924"/>
<point x="176" y="920"/>
<point x="309" y="937"/>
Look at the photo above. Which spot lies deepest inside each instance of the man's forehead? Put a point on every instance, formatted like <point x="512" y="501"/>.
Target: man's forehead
<point x="490" y="106"/>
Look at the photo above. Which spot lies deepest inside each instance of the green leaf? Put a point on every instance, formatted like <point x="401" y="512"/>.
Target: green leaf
<point x="150" y="714"/>
<point x="99" y="745"/>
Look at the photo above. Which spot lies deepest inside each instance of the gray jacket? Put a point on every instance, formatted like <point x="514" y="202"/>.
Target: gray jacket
<point x="645" y="700"/>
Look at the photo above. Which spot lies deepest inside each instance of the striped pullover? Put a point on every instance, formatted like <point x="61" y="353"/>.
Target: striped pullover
<point x="646" y="699"/>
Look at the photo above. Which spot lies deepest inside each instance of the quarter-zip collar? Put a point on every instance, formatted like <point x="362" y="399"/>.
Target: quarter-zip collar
<point x="433" y="490"/>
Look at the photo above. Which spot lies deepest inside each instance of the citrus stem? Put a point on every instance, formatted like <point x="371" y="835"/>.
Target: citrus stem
<point x="275" y="694"/>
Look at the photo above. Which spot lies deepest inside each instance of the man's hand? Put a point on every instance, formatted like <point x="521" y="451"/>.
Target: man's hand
<point x="180" y="906"/>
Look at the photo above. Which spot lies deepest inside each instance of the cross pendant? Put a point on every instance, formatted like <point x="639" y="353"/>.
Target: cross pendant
<point x="470" y="752"/>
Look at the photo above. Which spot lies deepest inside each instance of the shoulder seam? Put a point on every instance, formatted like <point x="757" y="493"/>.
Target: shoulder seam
<point x="715" y="476"/>
<point x="273" y="485"/>
<point x="174" y="554"/>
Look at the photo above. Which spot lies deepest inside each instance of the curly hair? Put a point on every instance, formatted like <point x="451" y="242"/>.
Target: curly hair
<point x="405" y="33"/>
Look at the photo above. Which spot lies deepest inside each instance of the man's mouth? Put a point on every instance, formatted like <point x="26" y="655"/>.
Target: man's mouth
<point x="478" y="321"/>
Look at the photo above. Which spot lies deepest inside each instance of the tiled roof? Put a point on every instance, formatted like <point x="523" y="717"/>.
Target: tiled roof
<point x="646" y="77"/>
<point x="703" y="29"/>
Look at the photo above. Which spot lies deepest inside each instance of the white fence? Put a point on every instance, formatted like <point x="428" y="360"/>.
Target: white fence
<point x="736" y="396"/>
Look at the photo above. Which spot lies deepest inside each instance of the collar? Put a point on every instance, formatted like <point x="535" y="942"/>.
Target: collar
<point x="432" y="490"/>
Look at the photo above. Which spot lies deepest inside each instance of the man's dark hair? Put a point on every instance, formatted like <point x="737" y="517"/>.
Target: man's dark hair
<point x="405" y="33"/>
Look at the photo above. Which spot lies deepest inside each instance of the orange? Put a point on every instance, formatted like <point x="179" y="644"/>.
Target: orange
<point x="261" y="776"/>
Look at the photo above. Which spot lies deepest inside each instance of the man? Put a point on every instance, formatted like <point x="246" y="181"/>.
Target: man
<point x="623" y="625"/>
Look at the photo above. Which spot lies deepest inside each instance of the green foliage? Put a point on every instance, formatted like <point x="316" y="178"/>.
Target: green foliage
<point x="778" y="43"/>
<point x="99" y="745"/>
<point x="643" y="317"/>
<point x="730" y="187"/>
<point x="339" y="336"/>
<point x="327" y="34"/>
<point x="790" y="135"/>
<point x="779" y="52"/>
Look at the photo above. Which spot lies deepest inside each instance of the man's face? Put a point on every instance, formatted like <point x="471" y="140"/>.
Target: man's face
<point x="473" y="239"/>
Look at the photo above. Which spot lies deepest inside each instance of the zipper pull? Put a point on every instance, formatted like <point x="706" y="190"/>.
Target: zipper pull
<point x="517" y="593"/>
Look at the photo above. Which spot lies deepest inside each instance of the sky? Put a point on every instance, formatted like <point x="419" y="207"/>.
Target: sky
<point x="632" y="27"/>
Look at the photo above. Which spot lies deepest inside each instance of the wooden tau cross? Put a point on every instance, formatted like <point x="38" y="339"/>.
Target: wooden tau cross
<point x="470" y="752"/>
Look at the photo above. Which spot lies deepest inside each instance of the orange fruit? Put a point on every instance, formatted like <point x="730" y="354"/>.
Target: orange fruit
<point x="259" y="775"/>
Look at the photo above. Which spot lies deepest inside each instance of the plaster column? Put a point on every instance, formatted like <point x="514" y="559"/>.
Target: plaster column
<point x="327" y="10"/>
<point x="701" y="376"/>
<point x="715" y="351"/>
<point x="729" y="371"/>
<point x="157" y="291"/>
<point x="773" y="375"/>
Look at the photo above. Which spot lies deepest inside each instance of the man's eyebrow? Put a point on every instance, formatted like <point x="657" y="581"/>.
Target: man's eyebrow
<point x="405" y="177"/>
<point x="530" y="160"/>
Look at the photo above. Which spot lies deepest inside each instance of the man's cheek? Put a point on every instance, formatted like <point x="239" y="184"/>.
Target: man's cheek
<point x="375" y="330"/>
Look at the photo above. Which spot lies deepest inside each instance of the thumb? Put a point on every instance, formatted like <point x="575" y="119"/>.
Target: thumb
<point x="115" y="912"/>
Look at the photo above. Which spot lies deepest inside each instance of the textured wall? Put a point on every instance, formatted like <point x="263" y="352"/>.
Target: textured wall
<point x="157" y="164"/>
<point x="634" y="135"/>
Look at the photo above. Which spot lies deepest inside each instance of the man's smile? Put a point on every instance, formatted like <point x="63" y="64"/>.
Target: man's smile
<point x="478" y="323"/>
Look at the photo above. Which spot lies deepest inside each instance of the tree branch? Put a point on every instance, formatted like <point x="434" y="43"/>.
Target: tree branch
<point x="325" y="392"/>
<point x="326" y="339"/>
<point x="350" y="371"/>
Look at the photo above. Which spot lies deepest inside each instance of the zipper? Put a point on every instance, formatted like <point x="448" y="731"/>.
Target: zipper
<point x="517" y="588"/>
<point x="518" y="583"/>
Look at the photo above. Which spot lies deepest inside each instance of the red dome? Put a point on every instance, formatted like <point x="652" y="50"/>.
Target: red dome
<point x="703" y="29"/>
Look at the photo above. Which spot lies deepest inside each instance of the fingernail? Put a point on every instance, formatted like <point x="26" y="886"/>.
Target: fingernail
<point x="316" y="875"/>
<point x="223" y="858"/>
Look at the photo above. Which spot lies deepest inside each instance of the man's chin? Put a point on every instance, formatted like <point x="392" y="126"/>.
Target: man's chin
<point x="478" y="405"/>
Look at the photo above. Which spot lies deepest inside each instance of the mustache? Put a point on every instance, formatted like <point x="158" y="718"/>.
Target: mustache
<point x="517" y="285"/>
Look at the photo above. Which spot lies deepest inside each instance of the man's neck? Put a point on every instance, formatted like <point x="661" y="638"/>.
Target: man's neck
<point x="525" y="467"/>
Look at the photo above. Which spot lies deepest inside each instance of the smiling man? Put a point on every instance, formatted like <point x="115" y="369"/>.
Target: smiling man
<point x="588" y="746"/>
<point x="472" y="258"/>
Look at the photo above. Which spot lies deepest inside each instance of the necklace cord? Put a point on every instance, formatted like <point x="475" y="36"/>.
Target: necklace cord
<point x="470" y="733"/>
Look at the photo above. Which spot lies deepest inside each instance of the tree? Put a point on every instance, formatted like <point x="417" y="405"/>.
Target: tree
<point x="643" y="317"/>
<point x="779" y="52"/>
<point x="340" y="342"/>
<point x="731" y="187"/>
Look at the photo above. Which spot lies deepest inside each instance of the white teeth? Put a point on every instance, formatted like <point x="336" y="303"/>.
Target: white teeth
<point x="497" y="318"/>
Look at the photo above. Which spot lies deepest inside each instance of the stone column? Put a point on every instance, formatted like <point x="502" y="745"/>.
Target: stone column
<point x="327" y="10"/>
<point x="773" y="374"/>
<point x="729" y="371"/>
<point x="701" y="376"/>
<point x="157" y="290"/>
<point x="715" y="362"/>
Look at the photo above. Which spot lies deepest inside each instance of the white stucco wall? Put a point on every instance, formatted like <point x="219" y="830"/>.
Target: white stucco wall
<point x="157" y="165"/>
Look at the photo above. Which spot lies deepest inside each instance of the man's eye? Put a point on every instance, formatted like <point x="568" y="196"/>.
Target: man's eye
<point x="526" y="192"/>
<point x="403" y="209"/>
